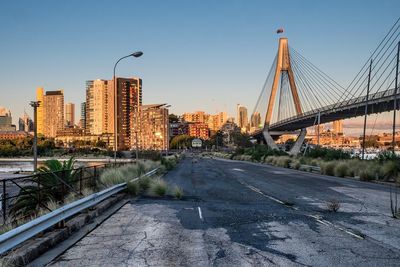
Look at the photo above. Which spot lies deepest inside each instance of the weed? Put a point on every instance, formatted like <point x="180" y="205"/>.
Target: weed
<point x="341" y="169"/>
<point x="178" y="192"/>
<point x="333" y="205"/>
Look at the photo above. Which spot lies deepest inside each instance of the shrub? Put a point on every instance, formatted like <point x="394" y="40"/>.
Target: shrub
<point x="112" y="177"/>
<point x="390" y="170"/>
<point x="341" y="169"/>
<point x="158" y="187"/>
<point x="133" y="188"/>
<point x="178" y="192"/>
<point x="144" y="183"/>
<point x="283" y="162"/>
<point x="328" y="168"/>
<point x="296" y="165"/>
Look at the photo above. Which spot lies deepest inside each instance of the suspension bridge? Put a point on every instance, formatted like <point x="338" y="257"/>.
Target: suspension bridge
<point x="297" y="94"/>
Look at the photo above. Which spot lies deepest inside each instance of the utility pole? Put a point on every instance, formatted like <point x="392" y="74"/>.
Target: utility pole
<point x="396" y="85"/>
<point x="366" y="110"/>
<point x="35" y="105"/>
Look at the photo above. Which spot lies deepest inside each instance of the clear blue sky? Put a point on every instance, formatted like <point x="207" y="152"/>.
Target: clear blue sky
<point x="198" y="55"/>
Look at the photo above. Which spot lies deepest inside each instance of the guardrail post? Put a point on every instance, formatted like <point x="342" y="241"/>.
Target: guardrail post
<point x="3" y="202"/>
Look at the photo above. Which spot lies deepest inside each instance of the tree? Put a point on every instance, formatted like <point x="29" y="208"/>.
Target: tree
<point x="173" y="118"/>
<point x="181" y="141"/>
<point x="241" y="139"/>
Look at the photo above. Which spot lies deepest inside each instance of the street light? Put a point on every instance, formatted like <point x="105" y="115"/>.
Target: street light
<point x="35" y="105"/>
<point x="135" y="54"/>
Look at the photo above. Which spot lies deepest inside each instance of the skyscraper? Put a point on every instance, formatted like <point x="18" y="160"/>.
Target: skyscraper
<point x="70" y="115"/>
<point x="99" y="109"/>
<point x="25" y="123"/>
<point x="98" y="97"/>
<point x="40" y="118"/>
<point x="129" y="100"/>
<point x="338" y="127"/>
<point x="53" y="112"/>
<point x="242" y="118"/>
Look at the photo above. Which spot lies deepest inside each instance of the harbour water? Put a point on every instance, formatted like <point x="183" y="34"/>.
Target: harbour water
<point x="11" y="167"/>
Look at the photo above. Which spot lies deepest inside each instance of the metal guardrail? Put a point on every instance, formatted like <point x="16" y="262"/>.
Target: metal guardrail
<point x="28" y="230"/>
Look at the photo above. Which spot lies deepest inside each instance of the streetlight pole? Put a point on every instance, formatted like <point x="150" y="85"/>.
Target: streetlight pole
<point x="35" y="105"/>
<point x="136" y="54"/>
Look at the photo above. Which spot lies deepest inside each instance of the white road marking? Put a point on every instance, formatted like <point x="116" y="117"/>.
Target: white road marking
<point x="255" y="189"/>
<point x="316" y="217"/>
<point x="237" y="169"/>
<point x="200" y="215"/>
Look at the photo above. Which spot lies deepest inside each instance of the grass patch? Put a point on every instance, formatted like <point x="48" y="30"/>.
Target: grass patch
<point x="178" y="192"/>
<point x="133" y="188"/>
<point x="158" y="187"/>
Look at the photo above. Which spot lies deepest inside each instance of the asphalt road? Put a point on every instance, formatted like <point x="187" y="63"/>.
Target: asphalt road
<point x="247" y="214"/>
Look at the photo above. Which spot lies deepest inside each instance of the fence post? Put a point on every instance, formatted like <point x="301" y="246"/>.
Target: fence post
<point x="94" y="176"/>
<point x="3" y="202"/>
<point x="80" y="180"/>
<point x="39" y="191"/>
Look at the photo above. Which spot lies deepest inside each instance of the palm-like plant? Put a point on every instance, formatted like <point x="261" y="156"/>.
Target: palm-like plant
<point x="52" y="183"/>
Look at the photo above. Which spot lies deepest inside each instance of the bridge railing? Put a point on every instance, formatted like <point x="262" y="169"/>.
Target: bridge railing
<point x="336" y="106"/>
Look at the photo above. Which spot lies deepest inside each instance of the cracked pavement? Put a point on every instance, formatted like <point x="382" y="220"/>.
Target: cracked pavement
<point x="231" y="216"/>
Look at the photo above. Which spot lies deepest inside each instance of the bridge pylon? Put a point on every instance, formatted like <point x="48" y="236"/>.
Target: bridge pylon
<point x="283" y="64"/>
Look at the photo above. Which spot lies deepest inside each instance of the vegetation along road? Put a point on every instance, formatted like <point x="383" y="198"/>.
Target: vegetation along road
<point x="247" y="214"/>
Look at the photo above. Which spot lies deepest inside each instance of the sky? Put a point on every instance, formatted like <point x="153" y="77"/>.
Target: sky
<point x="198" y="55"/>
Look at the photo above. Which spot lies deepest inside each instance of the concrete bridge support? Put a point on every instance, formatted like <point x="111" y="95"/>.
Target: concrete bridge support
<point x="296" y="146"/>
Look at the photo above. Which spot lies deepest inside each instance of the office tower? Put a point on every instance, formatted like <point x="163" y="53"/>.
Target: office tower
<point x="40" y="118"/>
<point x="6" y="120"/>
<point x="338" y="127"/>
<point x="82" y="121"/>
<point x="242" y="118"/>
<point x="70" y="115"/>
<point x="25" y="123"/>
<point x="154" y="128"/>
<point x="53" y="112"/>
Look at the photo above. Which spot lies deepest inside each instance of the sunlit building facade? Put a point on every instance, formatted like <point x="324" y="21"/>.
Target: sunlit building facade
<point x="153" y="130"/>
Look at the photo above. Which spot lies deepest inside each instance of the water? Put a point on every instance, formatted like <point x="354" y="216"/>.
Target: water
<point x="9" y="167"/>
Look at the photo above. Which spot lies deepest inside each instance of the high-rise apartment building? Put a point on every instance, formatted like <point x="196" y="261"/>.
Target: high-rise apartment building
<point x="82" y="121"/>
<point x="153" y="128"/>
<point x="129" y="100"/>
<point x="70" y="115"/>
<point x="242" y="118"/>
<point x="216" y="121"/>
<point x="338" y="127"/>
<point x="97" y="109"/>
<point x="40" y="118"/>
<point x="199" y="130"/>
<point x="53" y="112"/>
